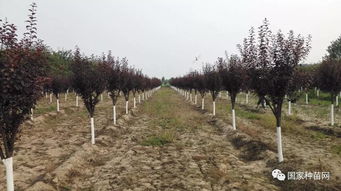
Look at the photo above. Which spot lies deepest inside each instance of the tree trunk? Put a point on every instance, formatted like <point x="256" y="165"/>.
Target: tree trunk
<point x="127" y="108"/>
<point x="247" y="98"/>
<point x="289" y="107"/>
<point x="101" y="97"/>
<point x="279" y="134"/>
<point x="279" y="144"/>
<point x="134" y="102"/>
<point x="9" y="173"/>
<point x="234" y="119"/>
<point x="139" y="98"/>
<point x="32" y="114"/>
<point x="213" y="108"/>
<point x="336" y="100"/>
<point x="92" y="124"/>
<point x="195" y="99"/>
<point x="233" y="101"/>
<point x="306" y="99"/>
<point x="202" y="103"/>
<point x="114" y="114"/>
<point x="332" y="114"/>
<point x="318" y="93"/>
<point x="50" y="98"/>
<point x="58" y="105"/>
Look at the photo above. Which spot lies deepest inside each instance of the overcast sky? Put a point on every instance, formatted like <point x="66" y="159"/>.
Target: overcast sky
<point x="164" y="36"/>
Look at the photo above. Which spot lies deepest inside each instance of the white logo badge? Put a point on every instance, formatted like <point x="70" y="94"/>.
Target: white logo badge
<point x="278" y="174"/>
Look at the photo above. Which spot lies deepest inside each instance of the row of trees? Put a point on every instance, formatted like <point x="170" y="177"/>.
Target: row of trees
<point x="92" y="76"/>
<point x="27" y="68"/>
<point x="268" y="66"/>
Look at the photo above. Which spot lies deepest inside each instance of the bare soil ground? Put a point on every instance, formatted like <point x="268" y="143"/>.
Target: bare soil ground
<point x="165" y="144"/>
<point x="309" y="143"/>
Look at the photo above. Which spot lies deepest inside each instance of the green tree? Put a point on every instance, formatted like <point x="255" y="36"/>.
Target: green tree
<point x="334" y="49"/>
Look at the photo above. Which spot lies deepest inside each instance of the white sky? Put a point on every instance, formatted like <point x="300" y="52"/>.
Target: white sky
<point x="163" y="36"/>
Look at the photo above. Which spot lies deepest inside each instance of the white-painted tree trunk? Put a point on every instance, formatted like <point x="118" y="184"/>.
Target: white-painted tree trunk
<point x="289" y="107"/>
<point x="139" y="98"/>
<point x="202" y="103"/>
<point x="50" y="97"/>
<point x="46" y="95"/>
<point x="127" y="107"/>
<point x="213" y="107"/>
<point x="332" y="121"/>
<point x="336" y="100"/>
<point x="306" y="99"/>
<point x="318" y="93"/>
<point x="234" y="119"/>
<point x="114" y="113"/>
<point x="247" y="98"/>
<point x="101" y="97"/>
<point x="9" y="173"/>
<point x="190" y="97"/>
<point x="279" y="144"/>
<point x="32" y="114"/>
<point x="58" y="105"/>
<point x="134" y="102"/>
<point x="92" y="124"/>
<point x="77" y="102"/>
<point x="65" y="98"/>
<point x="195" y="99"/>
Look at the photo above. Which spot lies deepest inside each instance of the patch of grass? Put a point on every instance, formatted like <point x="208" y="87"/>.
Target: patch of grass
<point x="169" y="123"/>
<point x="43" y="110"/>
<point x="318" y="135"/>
<point x="159" y="140"/>
<point x="336" y="149"/>
<point x="64" y="188"/>
<point x="248" y="115"/>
